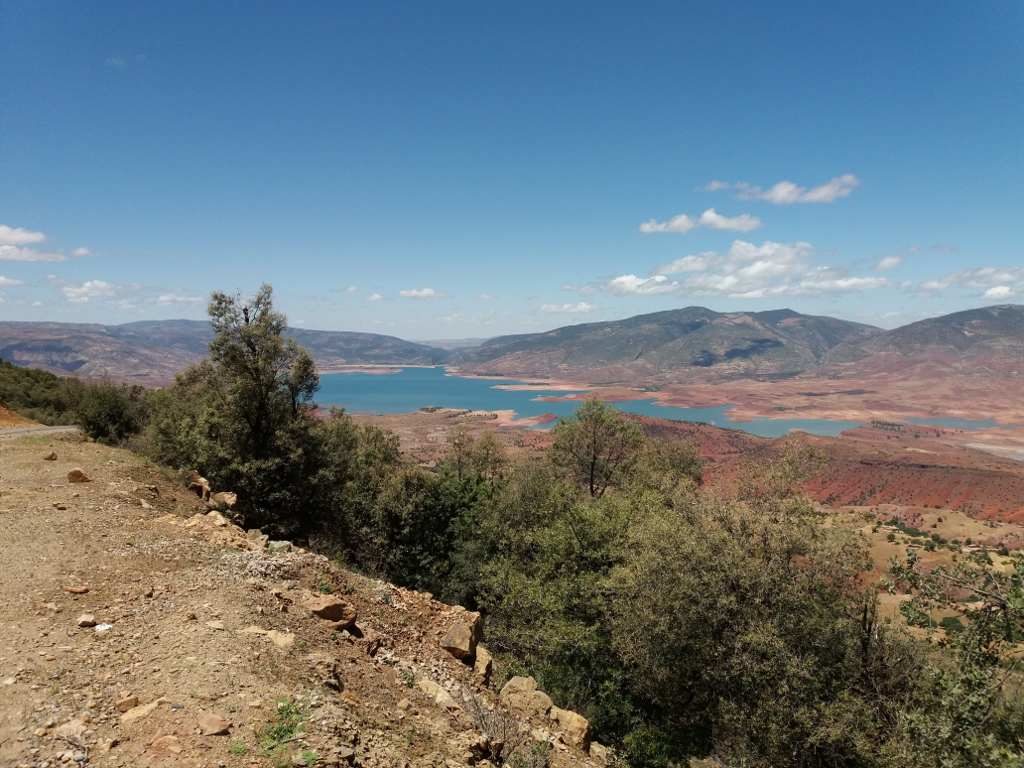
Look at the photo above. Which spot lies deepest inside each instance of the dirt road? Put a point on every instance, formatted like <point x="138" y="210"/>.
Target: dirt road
<point x="136" y="629"/>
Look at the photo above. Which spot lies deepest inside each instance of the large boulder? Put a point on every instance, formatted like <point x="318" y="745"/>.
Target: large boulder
<point x="521" y="694"/>
<point x="78" y="476"/>
<point x="461" y="638"/>
<point x="330" y="608"/>
<point x="574" y="727"/>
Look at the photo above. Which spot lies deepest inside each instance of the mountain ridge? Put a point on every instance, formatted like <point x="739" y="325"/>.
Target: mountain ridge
<point x="659" y="347"/>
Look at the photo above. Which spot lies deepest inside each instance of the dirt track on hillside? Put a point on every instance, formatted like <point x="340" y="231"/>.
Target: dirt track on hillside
<point x="182" y="597"/>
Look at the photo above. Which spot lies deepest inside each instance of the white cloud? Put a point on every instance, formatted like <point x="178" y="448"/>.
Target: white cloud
<point x="16" y="253"/>
<point x="81" y="251"/>
<point x="787" y="193"/>
<point x="352" y="289"/>
<point x="988" y="282"/>
<point x="19" y="236"/>
<point x="626" y="285"/>
<point x="889" y="262"/>
<point x="174" y="298"/>
<point x="746" y="271"/>
<point x="578" y="308"/>
<point x="8" y="282"/>
<point x="90" y="289"/>
<point x="999" y="292"/>
<point x="15" y="242"/>
<point x="486" y="297"/>
<point x="711" y="219"/>
<point x="374" y="297"/>
<point x="419" y="293"/>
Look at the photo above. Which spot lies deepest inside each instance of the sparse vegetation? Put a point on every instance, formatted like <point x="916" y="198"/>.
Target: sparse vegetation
<point x="682" y="624"/>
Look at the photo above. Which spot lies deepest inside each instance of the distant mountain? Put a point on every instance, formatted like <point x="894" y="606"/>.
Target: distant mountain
<point x="152" y="352"/>
<point x="985" y="339"/>
<point x="665" y="345"/>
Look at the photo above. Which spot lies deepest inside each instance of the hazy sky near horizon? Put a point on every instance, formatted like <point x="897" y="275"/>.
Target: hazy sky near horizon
<point x="464" y="169"/>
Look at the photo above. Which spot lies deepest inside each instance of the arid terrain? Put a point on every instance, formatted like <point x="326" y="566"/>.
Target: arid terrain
<point x="140" y="629"/>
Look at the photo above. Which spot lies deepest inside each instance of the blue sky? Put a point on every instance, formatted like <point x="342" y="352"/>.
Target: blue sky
<point x="466" y="169"/>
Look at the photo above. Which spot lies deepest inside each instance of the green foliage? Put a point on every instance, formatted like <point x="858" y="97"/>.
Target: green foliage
<point x="38" y="395"/>
<point x="110" y="413"/>
<point x="596" y="447"/>
<point x="242" y="417"/>
<point x="285" y="725"/>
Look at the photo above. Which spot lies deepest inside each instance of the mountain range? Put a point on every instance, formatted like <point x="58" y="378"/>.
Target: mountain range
<point x="658" y="347"/>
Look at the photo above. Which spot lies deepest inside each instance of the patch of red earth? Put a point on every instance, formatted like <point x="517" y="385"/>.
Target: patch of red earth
<point x="870" y="466"/>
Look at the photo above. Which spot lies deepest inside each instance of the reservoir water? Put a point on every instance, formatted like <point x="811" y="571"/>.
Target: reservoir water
<point x="410" y="389"/>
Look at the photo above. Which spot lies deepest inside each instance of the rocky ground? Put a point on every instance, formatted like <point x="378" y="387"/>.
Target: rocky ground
<point x="137" y="628"/>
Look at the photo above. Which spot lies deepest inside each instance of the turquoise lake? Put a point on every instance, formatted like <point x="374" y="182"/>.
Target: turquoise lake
<point x="413" y="388"/>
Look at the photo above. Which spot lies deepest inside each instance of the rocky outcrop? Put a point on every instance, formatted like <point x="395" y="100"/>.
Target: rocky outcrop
<point x="574" y="726"/>
<point x="522" y="695"/>
<point x="461" y="638"/>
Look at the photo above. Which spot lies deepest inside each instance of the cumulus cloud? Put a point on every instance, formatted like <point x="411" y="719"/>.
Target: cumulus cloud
<point x="419" y="293"/>
<point x="82" y="293"/>
<point x="711" y="219"/>
<point x="746" y="271"/>
<point x="627" y="285"/>
<point x="17" y="253"/>
<point x="19" y="236"/>
<point x="989" y="282"/>
<point x="1000" y="292"/>
<point x="889" y="262"/>
<point x="577" y="308"/>
<point x="787" y="192"/>
<point x="374" y="297"/>
<point x="16" y="244"/>
<point x="8" y="282"/>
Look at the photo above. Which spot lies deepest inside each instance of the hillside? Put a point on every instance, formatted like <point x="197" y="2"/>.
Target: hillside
<point x="670" y="344"/>
<point x="137" y="628"/>
<point x="152" y="352"/>
<point x="987" y="339"/>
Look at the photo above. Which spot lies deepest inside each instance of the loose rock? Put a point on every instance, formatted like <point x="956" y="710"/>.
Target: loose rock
<point x="211" y="724"/>
<point x="78" y="476"/>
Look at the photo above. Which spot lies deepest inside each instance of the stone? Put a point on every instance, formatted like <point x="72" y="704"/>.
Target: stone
<point x="216" y="625"/>
<point x="86" y="620"/>
<point x="521" y="694"/>
<point x="51" y="456"/>
<point x="199" y="485"/>
<point x="223" y="500"/>
<point x="574" y="726"/>
<point x="124" y="704"/>
<point x="483" y="666"/>
<point x="330" y="608"/>
<point x="440" y="696"/>
<point x="275" y="547"/>
<point x="166" y="745"/>
<point x="211" y="724"/>
<point x="141" y="711"/>
<point x="217" y="518"/>
<point x="599" y="752"/>
<point x="282" y="640"/>
<point x="461" y="638"/>
<point x="78" y="476"/>
<point x="76" y="589"/>
<point x="72" y="730"/>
